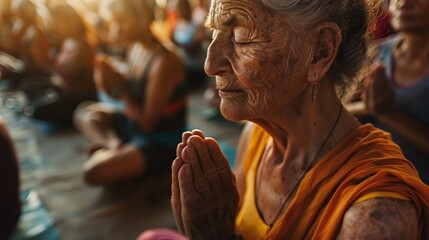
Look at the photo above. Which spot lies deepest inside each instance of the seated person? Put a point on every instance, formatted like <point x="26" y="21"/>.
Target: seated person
<point x="26" y="40"/>
<point x="396" y="89"/>
<point x="54" y="98"/>
<point x="190" y="36"/>
<point x="141" y="139"/>
<point x="10" y="203"/>
<point x="305" y="167"/>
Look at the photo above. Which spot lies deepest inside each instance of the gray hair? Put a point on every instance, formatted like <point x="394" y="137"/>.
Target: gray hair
<point x="351" y="16"/>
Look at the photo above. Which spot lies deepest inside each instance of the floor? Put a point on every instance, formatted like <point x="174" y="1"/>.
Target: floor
<point x="82" y="212"/>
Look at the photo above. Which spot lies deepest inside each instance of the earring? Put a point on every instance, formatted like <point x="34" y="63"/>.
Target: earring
<point x="313" y="92"/>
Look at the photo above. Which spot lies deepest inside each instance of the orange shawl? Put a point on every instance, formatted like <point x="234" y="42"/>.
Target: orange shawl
<point x="366" y="161"/>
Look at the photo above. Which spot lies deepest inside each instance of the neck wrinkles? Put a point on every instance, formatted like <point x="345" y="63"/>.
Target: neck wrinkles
<point x="298" y="134"/>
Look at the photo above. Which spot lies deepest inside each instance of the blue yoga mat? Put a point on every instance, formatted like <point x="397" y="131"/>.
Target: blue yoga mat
<point x="35" y="223"/>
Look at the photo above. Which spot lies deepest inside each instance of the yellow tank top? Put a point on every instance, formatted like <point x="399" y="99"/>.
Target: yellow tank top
<point x="249" y="223"/>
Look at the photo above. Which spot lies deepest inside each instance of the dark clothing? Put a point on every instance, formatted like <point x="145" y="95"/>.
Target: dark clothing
<point x="174" y="116"/>
<point x="10" y="203"/>
<point x="158" y="148"/>
<point x="49" y="103"/>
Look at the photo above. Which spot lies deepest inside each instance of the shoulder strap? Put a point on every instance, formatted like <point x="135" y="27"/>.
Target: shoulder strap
<point x="148" y="67"/>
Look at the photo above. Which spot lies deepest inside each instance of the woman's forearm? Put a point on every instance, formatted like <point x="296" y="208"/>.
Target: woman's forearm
<point x="413" y="131"/>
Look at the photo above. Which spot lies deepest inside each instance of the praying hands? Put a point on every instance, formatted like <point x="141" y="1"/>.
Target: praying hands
<point x="204" y="195"/>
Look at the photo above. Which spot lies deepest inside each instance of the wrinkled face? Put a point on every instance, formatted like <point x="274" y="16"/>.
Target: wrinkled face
<point x="410" y="15"/>
<point x="250" y="55"/>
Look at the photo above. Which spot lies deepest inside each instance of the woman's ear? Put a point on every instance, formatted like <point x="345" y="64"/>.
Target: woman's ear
<point x="327" y="41"/>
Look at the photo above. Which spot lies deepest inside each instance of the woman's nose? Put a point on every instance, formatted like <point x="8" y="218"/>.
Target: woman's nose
<point x="217" y="63"/>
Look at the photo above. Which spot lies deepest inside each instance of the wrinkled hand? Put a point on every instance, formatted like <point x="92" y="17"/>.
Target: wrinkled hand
<point x="204" y="196"/>
<point x="378" y="95"/>
<point x="107" y="78"/>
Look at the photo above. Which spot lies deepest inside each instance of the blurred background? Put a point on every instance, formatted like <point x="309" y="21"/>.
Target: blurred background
<point x="45" y="74"/>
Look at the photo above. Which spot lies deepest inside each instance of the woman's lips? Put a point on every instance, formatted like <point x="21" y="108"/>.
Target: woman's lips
<point x="227" y="92"/>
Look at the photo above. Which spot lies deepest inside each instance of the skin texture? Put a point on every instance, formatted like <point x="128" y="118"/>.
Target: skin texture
<point x="204" y="196"/>
<point x="411" y="54"/>
<point x="259" y="79"/>
<point x="111" y="160"/>
<point x="380" y="215"/>
<point x="242" y="55"/>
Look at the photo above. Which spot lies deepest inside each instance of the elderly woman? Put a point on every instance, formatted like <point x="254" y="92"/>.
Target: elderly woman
<point x="140" y="139"/>
<point x="395" y="97"/>
<point x="306" y="168"/>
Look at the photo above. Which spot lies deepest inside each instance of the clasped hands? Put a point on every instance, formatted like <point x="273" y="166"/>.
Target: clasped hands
<point x="377" y="96"/>
<point x="204" y="195"/>
<point x="108" y="77"/>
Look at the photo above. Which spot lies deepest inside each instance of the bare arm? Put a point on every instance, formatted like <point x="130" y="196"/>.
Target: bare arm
<point x="110" y="75"/>
<point x="38" y="49"/>
<point x="413" y="131"/>
<point x="74" y="56"/>
<point x="380" y="218"/>
<point x="166" y="75"/>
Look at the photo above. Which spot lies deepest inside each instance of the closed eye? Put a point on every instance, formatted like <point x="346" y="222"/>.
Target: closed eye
<point x="241" y="42"/>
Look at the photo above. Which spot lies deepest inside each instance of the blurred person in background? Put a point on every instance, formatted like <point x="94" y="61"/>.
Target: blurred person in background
<point x="396" y="89"/>
<point x="5" y="24"/>
<point x="27" y="41"/>
<point x="140" y="139"/>
<point x="189" y="34"/>
<point x="53" y="98"/>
